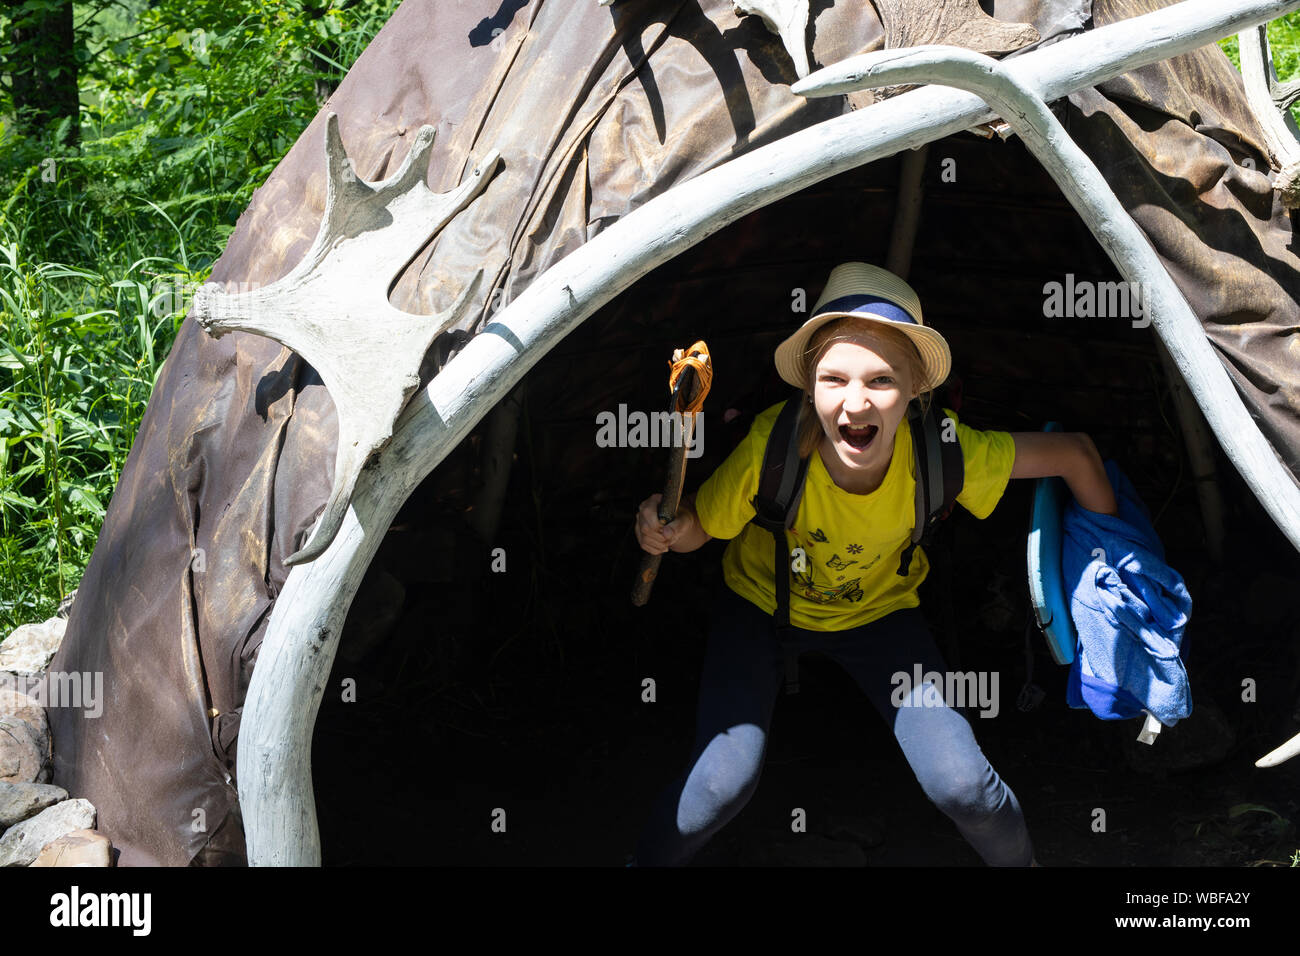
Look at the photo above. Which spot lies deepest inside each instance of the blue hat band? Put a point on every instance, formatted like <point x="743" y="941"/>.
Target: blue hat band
<point x="868" y="304"/>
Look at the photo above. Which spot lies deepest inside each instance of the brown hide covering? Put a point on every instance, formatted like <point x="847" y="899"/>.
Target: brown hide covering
<point x="595" y="111"/>
<point x="1171" y="139"/>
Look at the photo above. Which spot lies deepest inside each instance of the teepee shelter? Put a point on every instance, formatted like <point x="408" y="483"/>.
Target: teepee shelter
<point x="491" y="174"/>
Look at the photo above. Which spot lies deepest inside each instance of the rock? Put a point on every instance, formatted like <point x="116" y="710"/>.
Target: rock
<point x="78" y="848"/>
<point x="15" y="703"/>
<point x="28" y="650"/>
<point x="18" y="801"/>
<point x="65" y="606"/>
<point x="22" y="842"/>
<point x="24" y="753"/>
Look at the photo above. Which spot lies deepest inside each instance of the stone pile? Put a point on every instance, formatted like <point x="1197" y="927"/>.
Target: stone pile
<point x="39" y="824"/>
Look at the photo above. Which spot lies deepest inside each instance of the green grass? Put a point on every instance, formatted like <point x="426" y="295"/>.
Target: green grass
<point x="1284" y="39"/>
<point x="99" y="241"/>
<point x="78" y="359"/>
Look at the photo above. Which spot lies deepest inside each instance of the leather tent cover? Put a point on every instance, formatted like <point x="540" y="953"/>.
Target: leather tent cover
<point x="595" y="110"/>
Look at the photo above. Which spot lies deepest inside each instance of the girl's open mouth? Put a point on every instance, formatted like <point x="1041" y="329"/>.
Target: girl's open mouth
<point x="858" y="437"/>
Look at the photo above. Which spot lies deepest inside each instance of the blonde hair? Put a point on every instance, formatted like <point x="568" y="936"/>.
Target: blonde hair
<point x="849" y="329"/>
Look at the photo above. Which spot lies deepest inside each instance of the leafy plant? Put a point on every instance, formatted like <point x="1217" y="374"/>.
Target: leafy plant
<point x="186" y="107"/>
<point x="1248" y="833"/>
<point x="1284" y="39"/>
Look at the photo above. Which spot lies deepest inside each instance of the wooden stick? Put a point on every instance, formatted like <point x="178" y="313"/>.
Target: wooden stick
<point x="907" y="212"/>
<point x="496" y="458"/>
<point x="668" y="505"/>
<point x="1200" y="454"/>
<point x="689" y="393"/>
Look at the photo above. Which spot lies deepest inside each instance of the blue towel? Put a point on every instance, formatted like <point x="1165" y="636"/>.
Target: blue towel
<point x="1130" y="610"/>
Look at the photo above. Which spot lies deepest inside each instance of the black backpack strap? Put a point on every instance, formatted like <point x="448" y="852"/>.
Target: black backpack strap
<point x="780" y="486"/>
<point x="940" y="475"/>
<point x="954" y="468"/>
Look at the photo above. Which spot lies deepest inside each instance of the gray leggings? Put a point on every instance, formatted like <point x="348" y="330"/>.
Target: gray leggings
<point x="743" y="673"/>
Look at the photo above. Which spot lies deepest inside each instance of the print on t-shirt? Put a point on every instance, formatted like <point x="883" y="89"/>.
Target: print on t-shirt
<point x="808" y="582"/>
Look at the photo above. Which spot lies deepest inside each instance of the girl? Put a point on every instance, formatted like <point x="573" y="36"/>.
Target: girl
<point x="860" y="358"/>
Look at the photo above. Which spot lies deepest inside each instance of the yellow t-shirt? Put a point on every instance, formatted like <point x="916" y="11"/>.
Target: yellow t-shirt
<point x="852" y="543"/>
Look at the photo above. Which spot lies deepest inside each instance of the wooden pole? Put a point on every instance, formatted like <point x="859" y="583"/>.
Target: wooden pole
<point x="907" y="213"/>
<point x="1200" y="454"/>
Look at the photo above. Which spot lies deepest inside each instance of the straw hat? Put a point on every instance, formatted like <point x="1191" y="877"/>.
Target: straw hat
<point x="875" y="295"/>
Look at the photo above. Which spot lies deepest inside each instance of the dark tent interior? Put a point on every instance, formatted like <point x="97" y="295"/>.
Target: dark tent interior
<point x="477" y="690"/>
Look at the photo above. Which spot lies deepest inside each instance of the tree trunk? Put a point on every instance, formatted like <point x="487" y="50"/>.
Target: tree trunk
<point x="43" y="72"/>
<point x="326" y="49"/>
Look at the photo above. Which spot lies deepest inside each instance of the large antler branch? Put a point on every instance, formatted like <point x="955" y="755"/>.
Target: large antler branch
<point x="788" y="19"/>
<point x="1271" y="105"/>
<point x="333" y="308"/>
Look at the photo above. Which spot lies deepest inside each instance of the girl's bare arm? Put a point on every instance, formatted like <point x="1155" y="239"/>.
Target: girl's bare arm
<point x="1072" y="456"/>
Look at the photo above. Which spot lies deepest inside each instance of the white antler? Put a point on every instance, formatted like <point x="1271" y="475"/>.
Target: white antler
<point x="1281" y="755"/>
<point x="788" y="19"/>
<point x="333" y="308"/>
<point x="1271" y="105"/>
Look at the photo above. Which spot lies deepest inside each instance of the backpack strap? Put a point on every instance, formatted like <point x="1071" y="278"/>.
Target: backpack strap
<point x="940" y="475"/>
<point x="780" y="487"/>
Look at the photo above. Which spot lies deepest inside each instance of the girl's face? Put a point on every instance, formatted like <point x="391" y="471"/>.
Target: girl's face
<point x="860" y="391"/>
